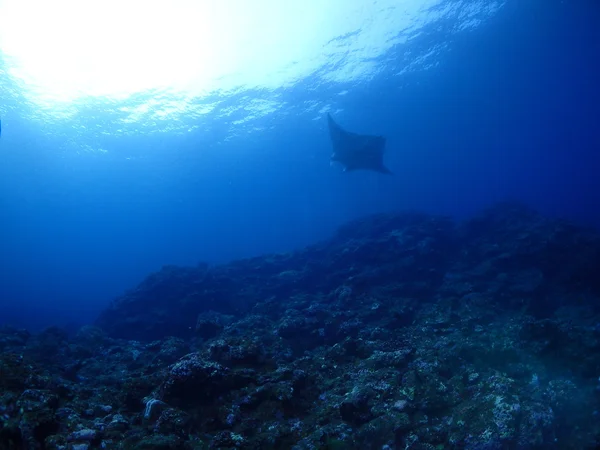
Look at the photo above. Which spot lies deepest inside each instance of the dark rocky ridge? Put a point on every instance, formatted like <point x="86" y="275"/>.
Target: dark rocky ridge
<point x="403" y="331"/>
<point x="514" y="253"/>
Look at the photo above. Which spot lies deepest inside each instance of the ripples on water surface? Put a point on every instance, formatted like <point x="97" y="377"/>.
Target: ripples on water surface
<point x="85" y="73"/>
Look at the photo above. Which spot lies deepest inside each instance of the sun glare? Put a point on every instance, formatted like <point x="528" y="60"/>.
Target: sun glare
<point x="68" y="49"/>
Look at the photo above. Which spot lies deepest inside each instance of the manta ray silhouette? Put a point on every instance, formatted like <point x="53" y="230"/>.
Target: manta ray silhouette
<point x="356" y="151"/>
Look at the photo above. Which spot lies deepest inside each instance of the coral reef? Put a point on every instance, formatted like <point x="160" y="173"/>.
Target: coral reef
<point x="402" y="331"/>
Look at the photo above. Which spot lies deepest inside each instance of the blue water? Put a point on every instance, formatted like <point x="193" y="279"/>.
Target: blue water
<point x="102" y="183"/>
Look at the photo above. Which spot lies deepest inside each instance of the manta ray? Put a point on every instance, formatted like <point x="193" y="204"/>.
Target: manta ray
<point x="356" y="151"/>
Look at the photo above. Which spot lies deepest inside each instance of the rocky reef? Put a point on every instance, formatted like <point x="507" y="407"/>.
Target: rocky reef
<point x="402" y="331"/>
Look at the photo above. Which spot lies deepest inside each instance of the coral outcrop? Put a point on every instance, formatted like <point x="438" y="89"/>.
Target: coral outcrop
<point x="403" y="331"/>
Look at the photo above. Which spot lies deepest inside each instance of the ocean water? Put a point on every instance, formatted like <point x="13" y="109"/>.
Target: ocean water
<point x="146" y="134"/>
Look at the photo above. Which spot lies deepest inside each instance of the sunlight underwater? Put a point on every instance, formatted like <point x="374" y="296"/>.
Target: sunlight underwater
<point x="138" y="64"/>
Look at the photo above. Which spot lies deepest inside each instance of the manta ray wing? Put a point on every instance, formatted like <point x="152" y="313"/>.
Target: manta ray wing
<point x="356" y="151"/>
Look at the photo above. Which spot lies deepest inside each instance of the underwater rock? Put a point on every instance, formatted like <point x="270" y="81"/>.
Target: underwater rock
<point x="193" y="380"/>
<point x="401" y="331"/>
